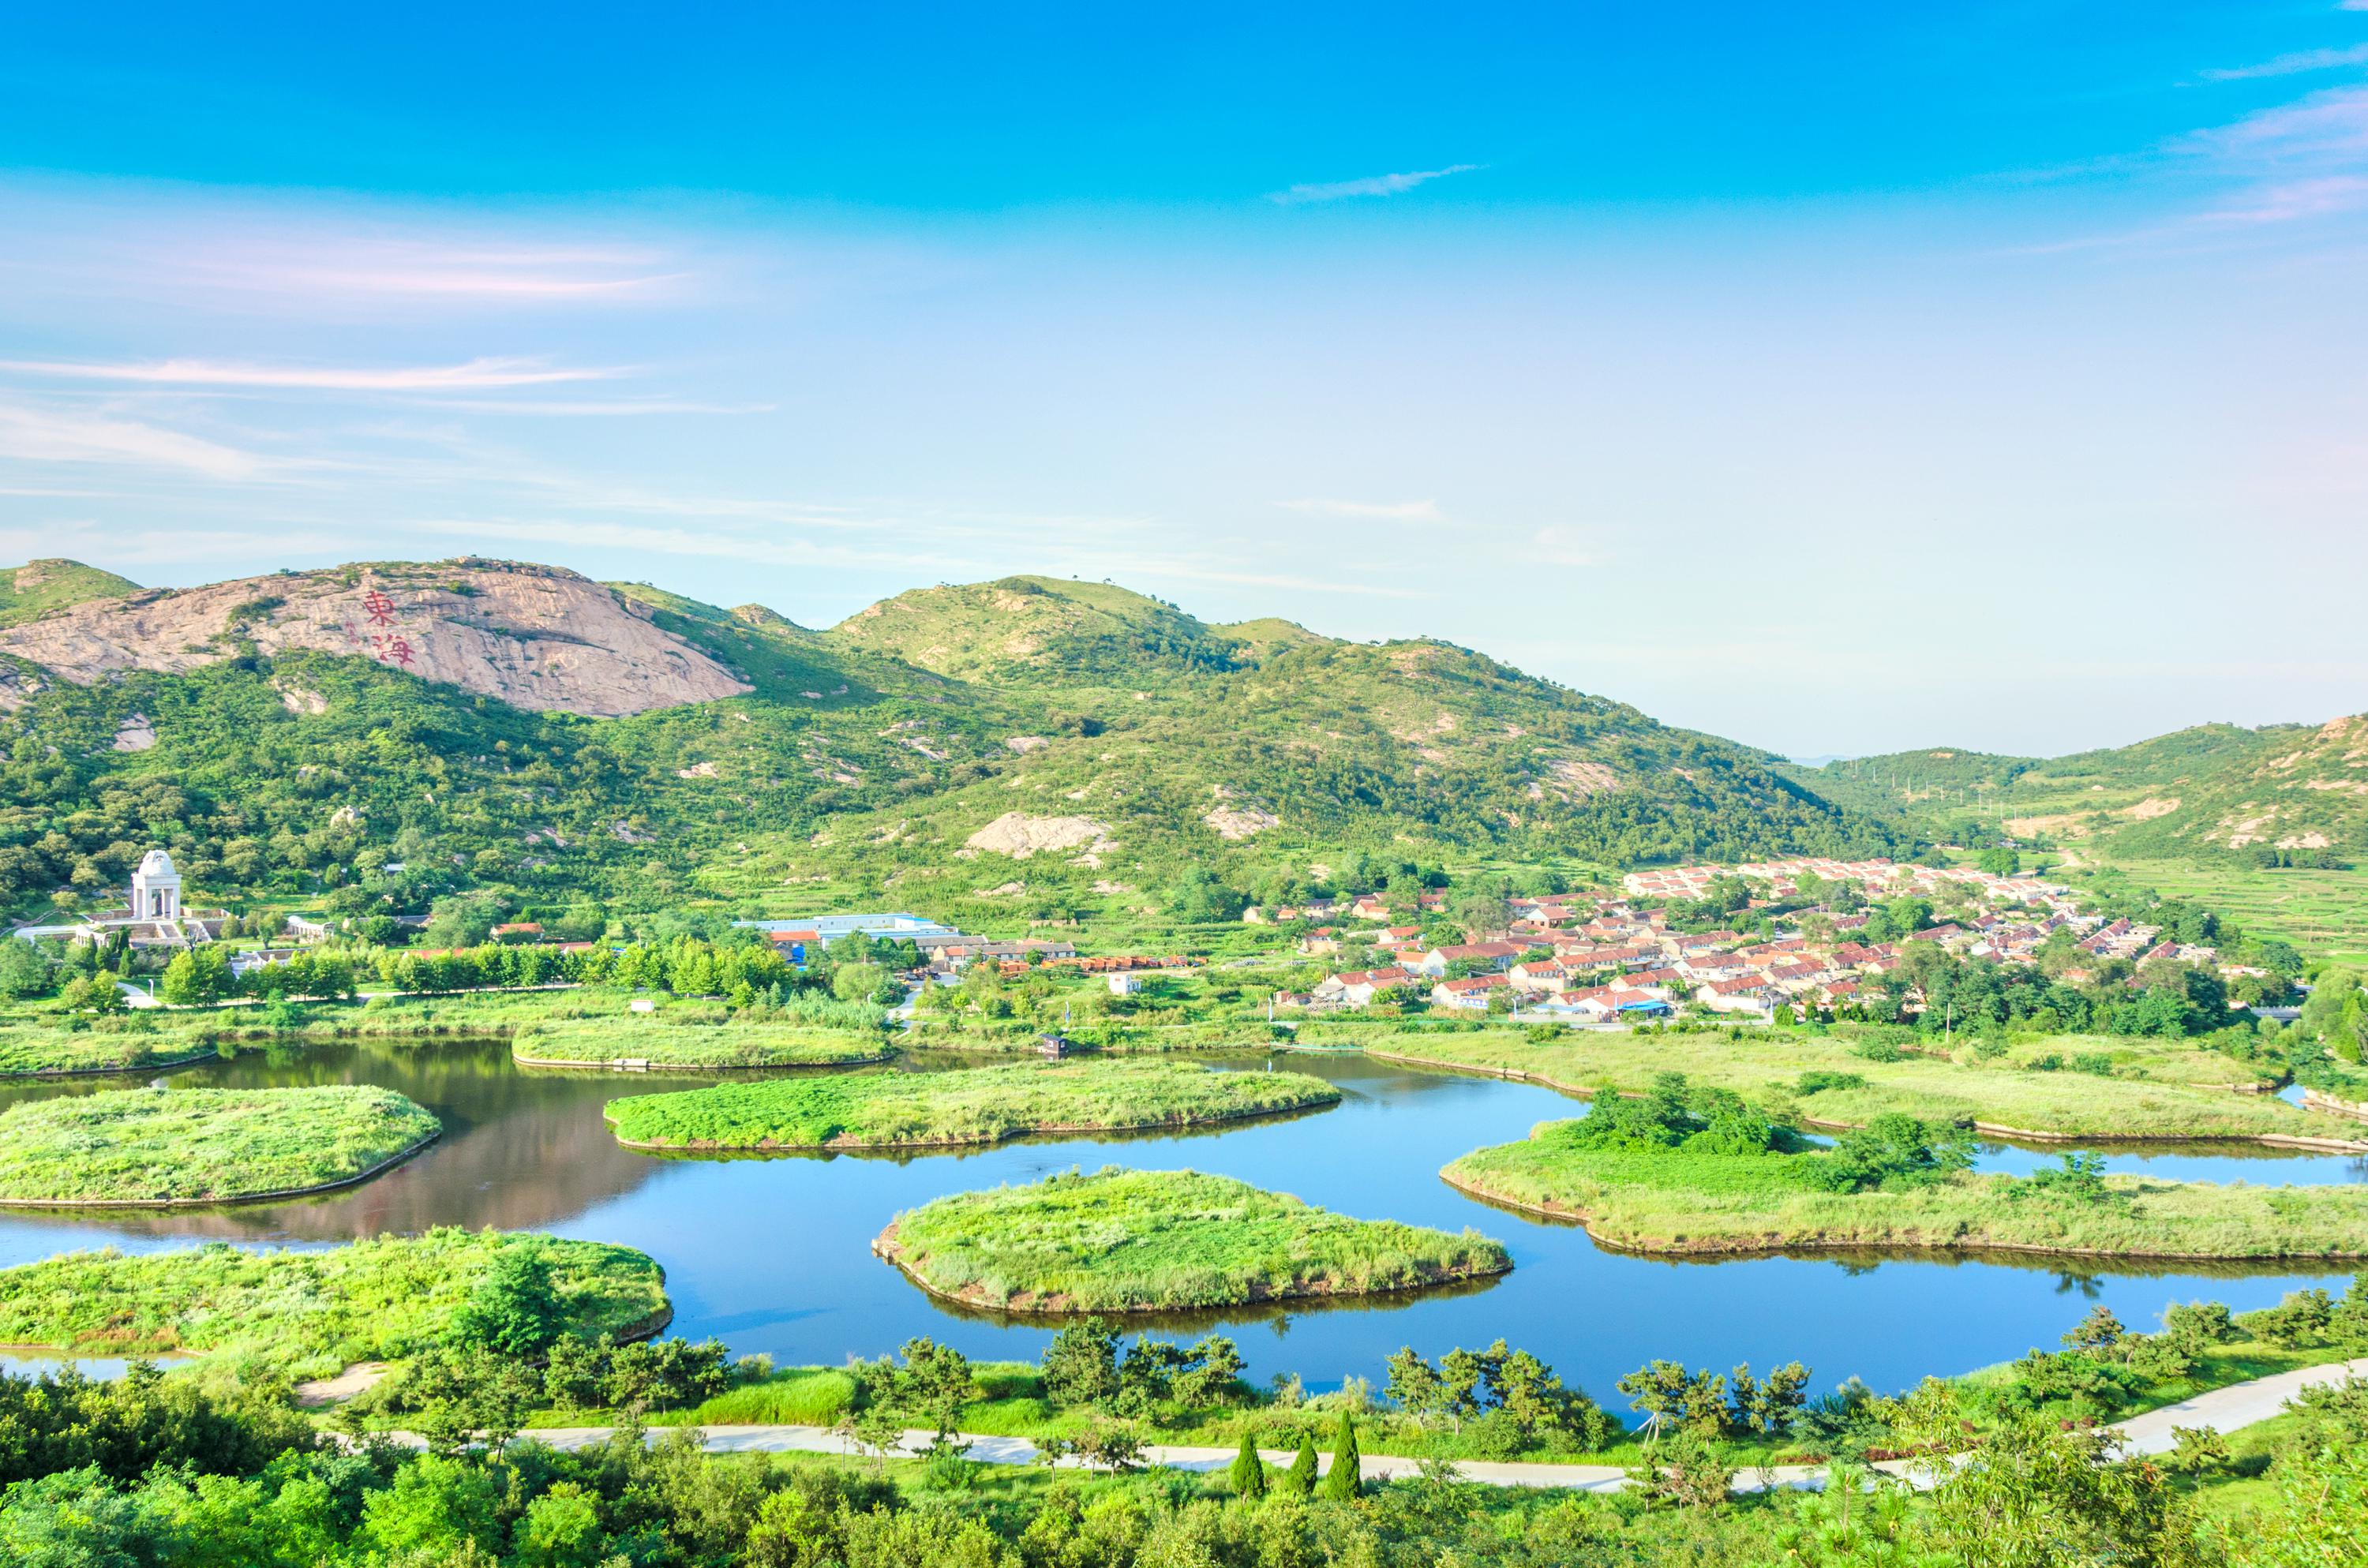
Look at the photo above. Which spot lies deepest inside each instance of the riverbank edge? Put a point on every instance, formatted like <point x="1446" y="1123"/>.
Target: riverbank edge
<point x="1732" y="1248"/>
<point x="208" y="1054"/>
<point x="886" y="1246"/>
<point x="1063" y="1129"/>
<point x="1997" y="1130"/>
<point x="274" y="1195"/>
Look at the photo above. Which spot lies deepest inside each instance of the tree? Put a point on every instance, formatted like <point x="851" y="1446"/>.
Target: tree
<point x="1299" y="1481"/>
<point x="1667" y="1390"/>
<point x="196" y="977"/>
<point x="1080" y="1367"/>
<point x="514" y="1308"/>
<point x="1247" y="1473"/>
<point x="2039" y="1494"/>
<point x="98" y="993"/>
<point x="1768" y="1405"/>
<point x="1345" y="1480"/>
<point x="25" y="970"/>
<point x="934" y="1382"/>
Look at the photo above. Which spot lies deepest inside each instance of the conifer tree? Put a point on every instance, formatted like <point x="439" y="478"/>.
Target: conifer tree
<point x="1345" y="1480"/>
<point x="1249" y="1471"/>
<point x="1300" y="1479"/>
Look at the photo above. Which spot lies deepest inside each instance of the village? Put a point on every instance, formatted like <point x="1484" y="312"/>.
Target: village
<point x="1612" y="961"/>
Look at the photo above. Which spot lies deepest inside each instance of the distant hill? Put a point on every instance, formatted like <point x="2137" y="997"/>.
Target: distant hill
<point x="2207" y="790"/>
<point x="39" y="586"/>
<point x="555" y="737"/>
<point x="2297" y="789"/>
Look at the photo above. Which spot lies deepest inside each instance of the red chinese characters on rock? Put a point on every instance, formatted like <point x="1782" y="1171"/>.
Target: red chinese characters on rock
<point x="379" y="607"/>
<point x="395" y="650"/>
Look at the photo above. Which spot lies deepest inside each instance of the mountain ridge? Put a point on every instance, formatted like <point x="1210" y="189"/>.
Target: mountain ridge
<point x="262" y="730"/>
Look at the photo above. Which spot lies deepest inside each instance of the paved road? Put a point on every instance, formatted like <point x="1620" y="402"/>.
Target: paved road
<point x="2224" y="1410"/>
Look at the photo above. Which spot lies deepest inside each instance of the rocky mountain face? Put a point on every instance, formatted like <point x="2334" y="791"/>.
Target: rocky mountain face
<point x="537" y="637"/>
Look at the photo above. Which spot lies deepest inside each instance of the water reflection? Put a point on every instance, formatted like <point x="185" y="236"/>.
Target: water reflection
<point x="774" y="1253"/>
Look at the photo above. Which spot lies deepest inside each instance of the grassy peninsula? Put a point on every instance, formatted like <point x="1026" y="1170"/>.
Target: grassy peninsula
<point x="1690" y="1169"/>
<point x="30" y="1049"/>
<point x="1829" y="1081"/>
<point x="162" y="1146"/>
<point x="302" y="1312"/>
<point x="1121" y="1241"/>
<point x="609" y="1042"/>
<point x="985" y="1105"/>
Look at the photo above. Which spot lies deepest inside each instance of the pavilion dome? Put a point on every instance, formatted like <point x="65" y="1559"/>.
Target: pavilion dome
<point x="156" y="864"/>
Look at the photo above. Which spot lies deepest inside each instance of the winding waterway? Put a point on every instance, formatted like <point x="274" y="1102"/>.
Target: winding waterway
<point x="773" y="1254"/>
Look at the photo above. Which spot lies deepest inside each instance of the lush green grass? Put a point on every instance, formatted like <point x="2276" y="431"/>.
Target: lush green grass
<point x="36" y="1038"/>
<point x="41" y="1046"/>
<point x="982" y="1105"/>
<point x="597" y="1043"/>
<point x="201" y="1145"/>
<point x="1678" y="1201"/>
<point x="1145" y="1240"/>
<point x="1766" y="1066"/>
<point x="304" y="1313"/>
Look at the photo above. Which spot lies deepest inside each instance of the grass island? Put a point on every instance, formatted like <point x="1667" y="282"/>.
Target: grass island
<point x="45" y="1050"/>
<point x="1693" y="1170"/>
<point x="138" y="1148"/>
<point x="2152" y="1092"/>
<point x="308" y="1312"/>
<point x="1125" y="1240"/>
<point x="634" y="1044"/>
<point x="984" y="1105"/>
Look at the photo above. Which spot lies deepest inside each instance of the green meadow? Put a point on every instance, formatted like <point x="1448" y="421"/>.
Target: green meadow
<point x="588" y="1042"/>
<point x="1681" y="1200"/>
<point x="2152" y="1091"/>
<point x="1121" y="1241"/>
<point x="982" y="1105"/>
<point x="304" y="1313"/>
<point x="156" y="1146"/>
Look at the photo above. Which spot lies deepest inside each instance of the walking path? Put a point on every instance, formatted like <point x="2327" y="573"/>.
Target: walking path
<point x="2223" y="1410"/>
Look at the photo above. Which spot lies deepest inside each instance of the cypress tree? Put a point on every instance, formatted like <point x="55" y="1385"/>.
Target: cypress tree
<point x="1300" y="1479"/>
<point x="1345" y="1480"/>
<point x="1248" y="1472"/>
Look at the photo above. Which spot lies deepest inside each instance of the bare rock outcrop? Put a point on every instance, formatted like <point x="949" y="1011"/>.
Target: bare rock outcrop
<point x="1020" y="835"/>
<point x="536" y="636"/>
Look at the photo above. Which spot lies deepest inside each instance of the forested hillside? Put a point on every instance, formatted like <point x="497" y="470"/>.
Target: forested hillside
<point x="2282" y="793"/>
<point x="1048" y="743"/>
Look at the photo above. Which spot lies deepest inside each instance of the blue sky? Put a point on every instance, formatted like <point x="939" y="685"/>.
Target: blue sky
<point x="1972" y="375"/>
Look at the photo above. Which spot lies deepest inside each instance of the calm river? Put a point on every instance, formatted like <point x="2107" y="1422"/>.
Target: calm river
<point x="774" y="1254"/>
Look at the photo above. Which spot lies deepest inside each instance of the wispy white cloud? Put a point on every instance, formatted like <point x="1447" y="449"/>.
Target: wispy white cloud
<point x="1372" y="185"/>
<point x="1560" y="544"/>
<point x="42" y="435"/>
<point x="1401" y="511"/>
<point x="2332" y="123"/>
<point x="2296" y="63"/>
<point x="2294" y="200"/>
<point x="599" y="408"/>
<point x="474" y="375"/>
<point x="756" y="550"/>
<point x="429" y="269"/>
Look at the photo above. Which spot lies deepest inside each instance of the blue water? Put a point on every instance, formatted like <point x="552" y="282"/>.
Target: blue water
<point x="773" y="1254"/>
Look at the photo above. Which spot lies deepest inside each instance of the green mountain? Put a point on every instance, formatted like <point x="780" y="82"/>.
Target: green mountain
<point x="39" y="586"/>
<point x="374" y="736"/>
<point x="2208" y="790"/>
